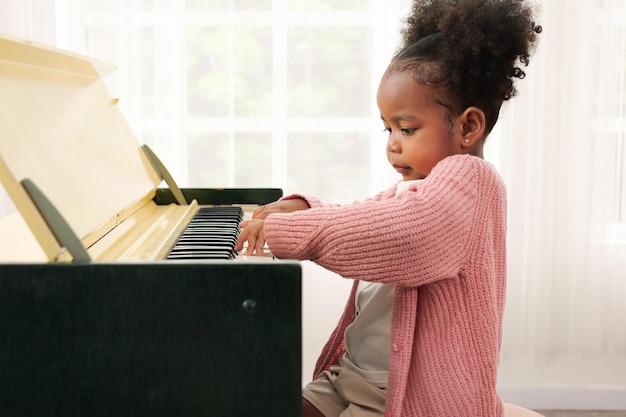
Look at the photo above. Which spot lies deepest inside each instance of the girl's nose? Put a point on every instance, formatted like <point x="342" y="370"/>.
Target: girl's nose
<point x="393" y="145"/>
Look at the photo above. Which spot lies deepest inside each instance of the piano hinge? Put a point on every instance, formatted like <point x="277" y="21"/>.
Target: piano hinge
<point x="165" y="175"/>
<point x="57" y="224"/>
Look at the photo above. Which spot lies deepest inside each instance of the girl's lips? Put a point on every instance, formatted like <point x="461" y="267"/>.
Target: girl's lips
<point x="402" y="170"/>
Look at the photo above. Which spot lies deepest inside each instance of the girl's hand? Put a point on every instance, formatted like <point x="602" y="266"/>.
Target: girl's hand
<point x="281" y="206"/>
<point x="252" y="232"/>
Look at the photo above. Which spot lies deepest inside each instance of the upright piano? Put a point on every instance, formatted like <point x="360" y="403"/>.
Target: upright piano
<point x="120" y="293"/>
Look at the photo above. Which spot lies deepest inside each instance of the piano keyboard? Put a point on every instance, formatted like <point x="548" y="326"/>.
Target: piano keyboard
<point x="211" y="234"/>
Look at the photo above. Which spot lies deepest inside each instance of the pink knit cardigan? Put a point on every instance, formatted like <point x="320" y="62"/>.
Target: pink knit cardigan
<point x="443" y="246"/>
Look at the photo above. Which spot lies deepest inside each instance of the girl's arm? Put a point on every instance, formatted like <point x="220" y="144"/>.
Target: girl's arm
<point x="315" y="202"/>
<point x="417" y="237"/>
<point x="253" y="231"/>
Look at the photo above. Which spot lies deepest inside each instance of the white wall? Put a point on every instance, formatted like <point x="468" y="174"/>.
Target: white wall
<point x="324" y="295"/>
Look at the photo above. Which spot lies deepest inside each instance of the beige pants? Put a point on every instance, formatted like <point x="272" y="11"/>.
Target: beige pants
<point x="340" y="392"/>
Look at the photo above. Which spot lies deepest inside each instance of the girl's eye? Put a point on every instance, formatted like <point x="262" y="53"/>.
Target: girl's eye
<point x="387" y="129"/>
<point x="408" y="132"/>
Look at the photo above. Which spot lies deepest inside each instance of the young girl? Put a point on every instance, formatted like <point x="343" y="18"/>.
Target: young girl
<point x="420" y="334"/>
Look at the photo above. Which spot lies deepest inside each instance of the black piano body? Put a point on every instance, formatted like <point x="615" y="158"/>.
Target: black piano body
<point x="150" y="339"/>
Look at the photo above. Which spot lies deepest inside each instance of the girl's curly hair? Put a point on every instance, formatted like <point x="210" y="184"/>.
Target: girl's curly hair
<point x="470" y="50"/>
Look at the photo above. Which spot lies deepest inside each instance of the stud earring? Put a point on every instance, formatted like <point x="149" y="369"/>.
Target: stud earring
<point x="466" y="140"/>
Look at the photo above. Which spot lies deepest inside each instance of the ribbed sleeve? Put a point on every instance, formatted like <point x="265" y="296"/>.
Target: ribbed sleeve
<point x="418" y="237"/>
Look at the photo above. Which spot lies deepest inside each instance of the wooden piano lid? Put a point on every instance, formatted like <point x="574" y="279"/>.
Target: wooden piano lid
<point x="62" y="132"/>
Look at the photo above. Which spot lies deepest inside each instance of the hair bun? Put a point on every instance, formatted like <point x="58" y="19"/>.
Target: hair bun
<point x="483" y="46"/>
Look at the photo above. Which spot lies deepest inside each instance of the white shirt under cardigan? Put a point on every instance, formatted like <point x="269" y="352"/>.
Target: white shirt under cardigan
<point x="367" y="339"/>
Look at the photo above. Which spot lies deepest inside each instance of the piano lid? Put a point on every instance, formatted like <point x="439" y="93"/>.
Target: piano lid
<point x="61" y="129"/>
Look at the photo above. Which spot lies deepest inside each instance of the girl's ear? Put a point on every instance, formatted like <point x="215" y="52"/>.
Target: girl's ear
<point x="473" y="121"/>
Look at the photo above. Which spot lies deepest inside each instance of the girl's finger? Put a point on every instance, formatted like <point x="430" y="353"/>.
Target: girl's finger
<point x="260" y="243"/>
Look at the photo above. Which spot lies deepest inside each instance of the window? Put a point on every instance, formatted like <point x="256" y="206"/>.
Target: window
<point x="254" y="93"/>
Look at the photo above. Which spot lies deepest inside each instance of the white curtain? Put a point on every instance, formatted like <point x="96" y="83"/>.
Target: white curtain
<point x="285" y="90"/>
<point x="563" y="157"/>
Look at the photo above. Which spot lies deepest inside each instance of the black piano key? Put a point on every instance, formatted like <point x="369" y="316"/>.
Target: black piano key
<point x="211" y="234"/>
<point x="201" y="247"/>
<point x="200" y="239"/>
<point x="209" y="230"/>
<point x="202" y="255"/>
